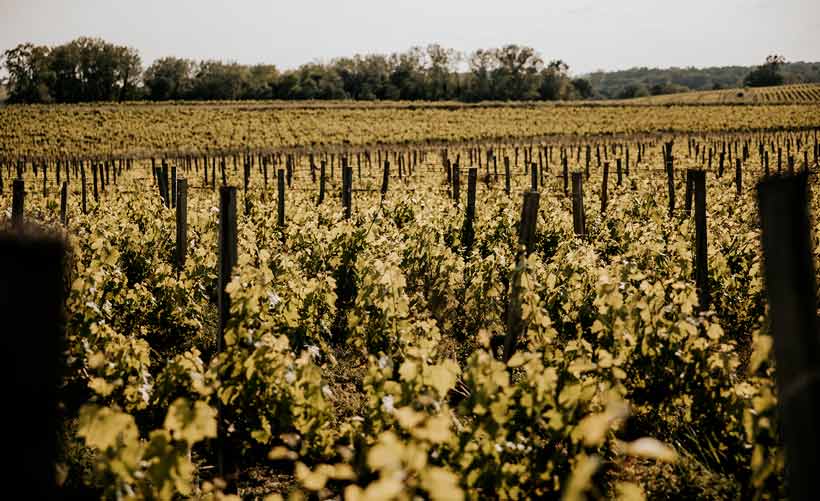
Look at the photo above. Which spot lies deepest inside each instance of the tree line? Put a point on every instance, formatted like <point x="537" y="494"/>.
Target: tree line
<point x="91" y="69"/>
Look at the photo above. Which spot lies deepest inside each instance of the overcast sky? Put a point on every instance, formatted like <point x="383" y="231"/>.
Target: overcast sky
<point x="587" y="34"/>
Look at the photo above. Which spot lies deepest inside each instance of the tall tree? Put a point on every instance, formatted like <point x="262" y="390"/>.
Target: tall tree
<point x="29" y="77"/>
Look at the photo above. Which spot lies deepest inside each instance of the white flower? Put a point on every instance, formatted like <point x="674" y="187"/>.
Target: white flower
<point x="273" y="299"/>
<point x="326" y="391"/>
<point x="290" y="377"/>
<point x="387" y="403"/>
<point x="383" y="361"/>
<point x="498" y="448"/>
<point x="107" y="307"/>
<point x="313" y="350"/>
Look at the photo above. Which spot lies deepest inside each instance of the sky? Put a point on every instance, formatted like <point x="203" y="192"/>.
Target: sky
<point x="587" y="34"/>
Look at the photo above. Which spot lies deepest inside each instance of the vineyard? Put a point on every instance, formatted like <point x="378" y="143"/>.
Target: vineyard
<point x="411" y="302"/>
<point x="781" y="94"/>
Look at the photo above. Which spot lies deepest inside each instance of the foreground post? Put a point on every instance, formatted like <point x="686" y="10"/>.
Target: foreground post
<point x="182" y="222"/>
<point x="31" y="306"/>
<point x="467" y="231"/>
<point x="698" y="180"/>
<point x="280" y="192"/>
<point x="64" y="203"/>
<point x="386" y="178"/>
<point x="18" y="194"/>
<point x="578" y="217"/>
<point x="227" y="261"/>
<point x="526" y="238"/>
<point x="791" y="292"/>
<point x="347" y="190"/>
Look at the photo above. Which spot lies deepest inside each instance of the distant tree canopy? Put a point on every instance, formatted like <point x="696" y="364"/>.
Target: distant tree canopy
<point x="669" y="80"/>
<point x="90" y="69"/>
<point x="766" y="74"/>
<point x="85" y="69"/>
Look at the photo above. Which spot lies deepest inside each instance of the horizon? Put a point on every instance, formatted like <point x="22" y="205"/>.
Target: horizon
<point x="592" y="36"/>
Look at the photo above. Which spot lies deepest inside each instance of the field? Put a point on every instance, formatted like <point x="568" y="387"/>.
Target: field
<point x="392" y="331"/>
<point x="781" y="94"/>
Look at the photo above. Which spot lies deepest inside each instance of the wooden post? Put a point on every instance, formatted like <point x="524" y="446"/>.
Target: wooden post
<point x="82" y="179"/>
<point x="18" y="194"/>
<point x="507" y="175"/>
<point x="578" y="216"/>
<point x="347" y="189"/>
<point x="467" y="231"/>
<point x="738" y="177"/>
<point x="246" y="179"/>
<point x="31" y="306"/>
<point x="321" y="182"/>
<point x="173" y="186"/>
<point x="526" y="238"/>
<point x="687" y="199"/>
<point x="791" y="291"/>
<point x="670" y="181"/>
<point x="386" y="178"/>
<point x="227" y="262"/>
<point x="64" y="203"/>
<point x="766" y="163"/>
<point x="618" y="172"/>
<point x="604" y="188"/>
<point x="698" y="181"/>
<point x="456" y="185"/>
<point x="534" y="177"/>
<point x="182" y="222"/>
<point x="280" y="192"/>
<point x="94" y="175"/>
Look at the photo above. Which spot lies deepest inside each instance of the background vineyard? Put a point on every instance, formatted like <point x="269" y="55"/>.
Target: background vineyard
<point x="808" y="93"/>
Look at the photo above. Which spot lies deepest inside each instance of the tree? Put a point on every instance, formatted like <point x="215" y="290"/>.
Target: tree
<point x="169" y="78"/>
<point x="30" y="76"/>
<point x="766" y="74"/>
<point x="582" y="87"/>
<point x="483" y="64"/>
<point x="441" y="65"/>
<point x="555" y="83"/>
<point x="516" y="76"/>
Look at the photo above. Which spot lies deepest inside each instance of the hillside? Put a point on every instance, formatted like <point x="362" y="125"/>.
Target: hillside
<point x="781" y="94"/>
<point x="639" y="82"/>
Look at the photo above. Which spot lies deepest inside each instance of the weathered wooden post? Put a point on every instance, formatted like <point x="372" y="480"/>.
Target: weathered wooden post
<point x="64" y="203"/>
<point x="578" y="216"/>
<point x="347" y="189"/>
<point x="565" y="164"/>
<point x="322" y="167"/>
<point x="507" y="175"/>
<point x="94" y="175"/>
<point x="698" y="180"/>
<point x="526" y="242"/>
<point x="31" y="306"/>
<point x="791" y="291"/>
<point x="604" y="188"/>
<point x="386" y="178"/>
<point x="227" y="261"/>
<point x="182" y="222"/>
<point x="456" y="185"/>
<point x="280" y="192"/>
<point x="467" y="231"/>
<point x="534" y="177"/>
<point x="670" y="181"/>
<point x="84" y="189"/>
<point x="738" y="177"/>
<point x="18" y="194"/>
